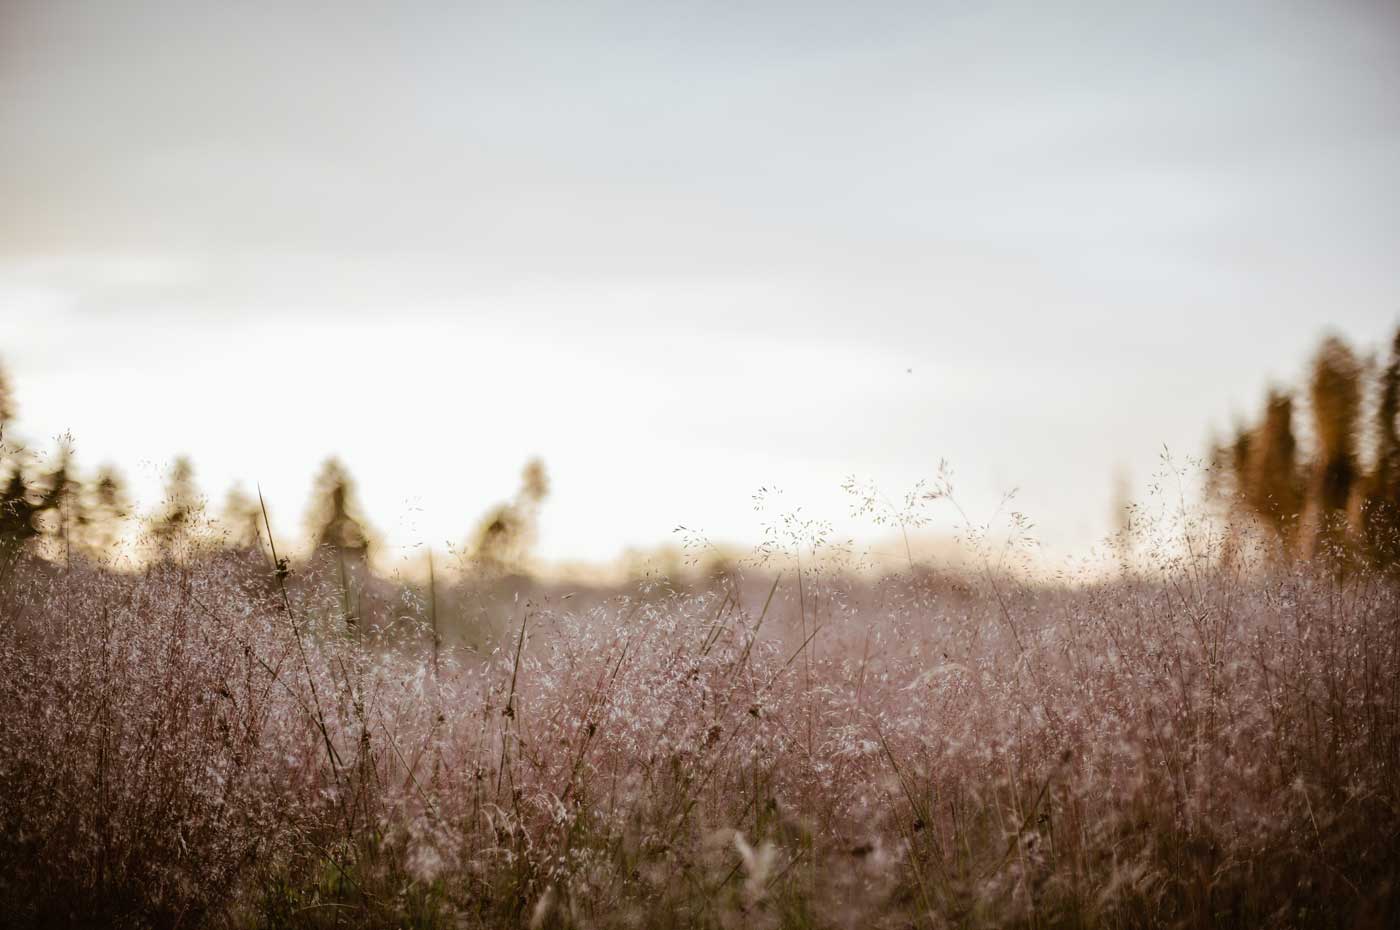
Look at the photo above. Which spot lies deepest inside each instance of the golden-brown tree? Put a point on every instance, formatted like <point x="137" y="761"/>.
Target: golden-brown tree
<point x="1272" y="480"/>
<point x="1375" y="504"/>
<point x="1336" y="499"/>
<point x="1334" y="393"/>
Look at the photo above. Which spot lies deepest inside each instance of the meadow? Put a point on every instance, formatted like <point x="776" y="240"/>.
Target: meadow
<point x="684" y="254"/>
<point x="1205" y="736"/>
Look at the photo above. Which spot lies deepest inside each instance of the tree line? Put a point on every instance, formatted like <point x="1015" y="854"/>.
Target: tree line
<point x="48" y="508"/>
<point x="1327" y="486"/>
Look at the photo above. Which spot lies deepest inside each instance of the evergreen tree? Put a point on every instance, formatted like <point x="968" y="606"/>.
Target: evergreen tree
<point x="174" y="524"/>
<point x="22" y="503"/>
<point x="242" y="521"/>
<point x="334" y="517"/>
<point x="341" y="542"/>
<point x="505" y="536"/>
<point x="1376" y="505"/>
<point x="106" y="511"/>
<point x="1335" y="395"/>
<point x="63" y="521"/>
<point x="1273" y="485"/>
<point x="7" y="401"/>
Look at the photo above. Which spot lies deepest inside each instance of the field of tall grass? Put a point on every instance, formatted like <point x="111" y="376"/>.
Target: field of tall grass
<point x="1199" y="739"/>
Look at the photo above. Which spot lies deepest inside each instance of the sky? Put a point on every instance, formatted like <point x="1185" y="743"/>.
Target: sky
<point x="684" y="251"/>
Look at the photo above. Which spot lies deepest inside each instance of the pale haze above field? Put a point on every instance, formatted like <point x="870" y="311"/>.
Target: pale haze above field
<point x="681" y="251"/>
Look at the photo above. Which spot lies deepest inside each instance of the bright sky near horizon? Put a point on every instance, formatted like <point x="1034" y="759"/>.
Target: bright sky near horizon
<point x="681" y="251"/>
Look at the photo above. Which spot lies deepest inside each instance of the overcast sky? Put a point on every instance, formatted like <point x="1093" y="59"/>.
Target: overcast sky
<point x="683" y="250"/>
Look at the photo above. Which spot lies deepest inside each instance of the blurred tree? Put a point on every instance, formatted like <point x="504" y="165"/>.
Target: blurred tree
<point x="339" y="535"/>
<point x="1120" y="513"/>
<point x="22" y="503"/>
<point x="242" y="521"/>
<point x="25" y="496"/>
<point x="1375" y="506"/>
<point x="1272" y="480"/>
<point x="1335" y="396"/>
<point x="64" y="520"/>
<point x="106" y="511"/>
<point x="174" y="523"/>
<point x="1333" y="506"/>
<point x="1224" y="485"/>
<point x="505" y="536"/>
<point x="7" y="400"/>
<point x="334" y="516"/>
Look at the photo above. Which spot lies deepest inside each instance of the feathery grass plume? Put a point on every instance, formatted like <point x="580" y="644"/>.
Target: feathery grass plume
<point x="1188" y="745"/>
<point x="1334" y="392"/>
<point x="1185" y="746"/>
<point x="506" y="535"/>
